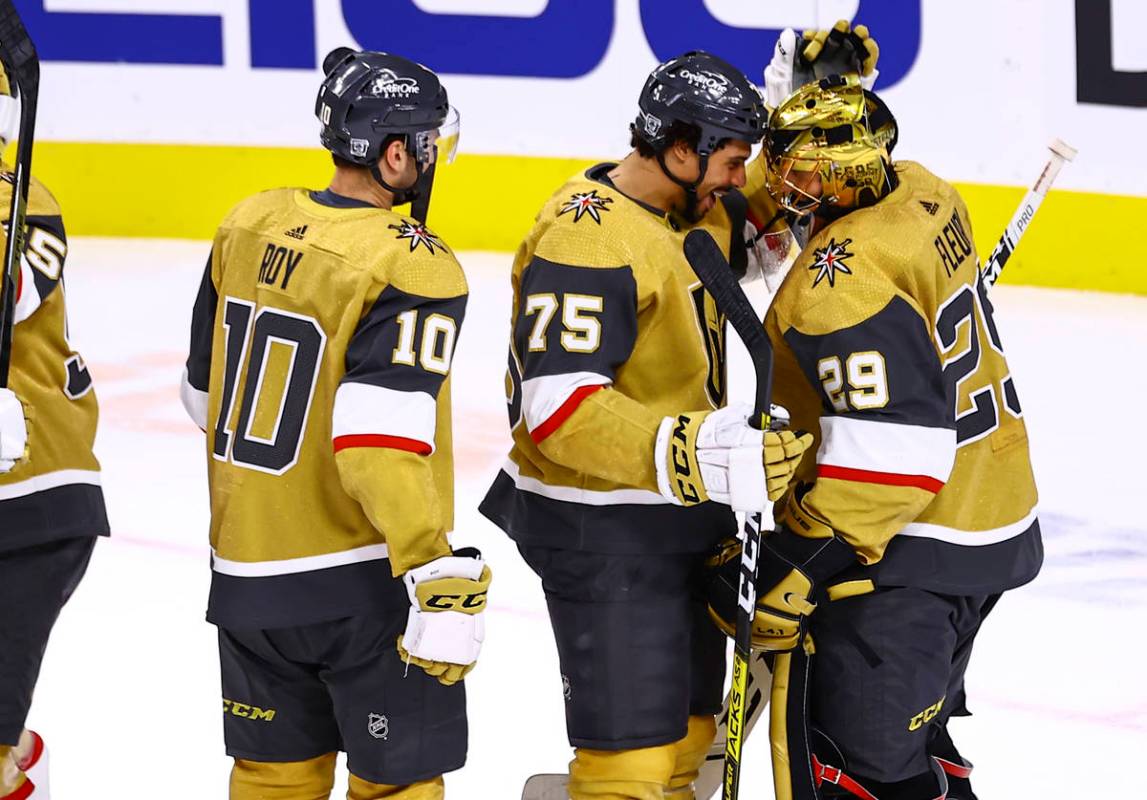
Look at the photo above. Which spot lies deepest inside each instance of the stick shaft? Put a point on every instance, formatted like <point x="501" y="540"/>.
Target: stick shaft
<point x="1021" y="220"/>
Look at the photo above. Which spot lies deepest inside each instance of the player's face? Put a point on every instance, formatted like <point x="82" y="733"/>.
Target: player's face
<point x="726" y="172"/>
<point x="802" y="181"/>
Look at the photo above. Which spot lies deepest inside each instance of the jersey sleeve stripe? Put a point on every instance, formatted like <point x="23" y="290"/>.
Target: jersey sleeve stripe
<point x="363" y="411"/>
<point x="382" y="440"/>
<point x="194" y="401"/>
<point x="884" y="447"/>
<point x="563" y="413"/>
<point x="924" y="482"/>
<point x="28" y="297"/>
<point x="549" y="399"/>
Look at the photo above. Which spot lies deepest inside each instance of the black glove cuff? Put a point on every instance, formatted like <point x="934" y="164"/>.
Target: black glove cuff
<point x="820" y="559"/>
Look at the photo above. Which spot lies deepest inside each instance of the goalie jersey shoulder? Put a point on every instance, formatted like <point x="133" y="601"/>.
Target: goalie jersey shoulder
<point x="916" y="245"/>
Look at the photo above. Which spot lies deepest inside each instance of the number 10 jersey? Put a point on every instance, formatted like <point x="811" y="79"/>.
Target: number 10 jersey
<point x="320" y="354"/>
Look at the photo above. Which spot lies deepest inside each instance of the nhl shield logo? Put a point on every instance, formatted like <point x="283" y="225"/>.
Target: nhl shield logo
<point x="378" y="726"/>
<point x="567" y="690"/>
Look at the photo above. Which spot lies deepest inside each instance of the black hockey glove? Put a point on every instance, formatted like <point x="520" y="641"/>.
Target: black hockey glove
<point x="792" y="569"/>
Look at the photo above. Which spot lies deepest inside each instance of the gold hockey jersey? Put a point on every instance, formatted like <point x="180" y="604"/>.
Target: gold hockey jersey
<point x="54" y="492"/>
<point x="320" y="354"/>
<point x="887" y="351"/>
<point x="611" y="331"/>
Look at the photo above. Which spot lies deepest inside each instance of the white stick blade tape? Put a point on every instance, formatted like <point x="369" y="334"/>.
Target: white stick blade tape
<point x="1063" y="149"/>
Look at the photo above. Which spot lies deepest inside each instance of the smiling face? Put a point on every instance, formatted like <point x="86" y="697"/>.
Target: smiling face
<point x="725" y="171"/>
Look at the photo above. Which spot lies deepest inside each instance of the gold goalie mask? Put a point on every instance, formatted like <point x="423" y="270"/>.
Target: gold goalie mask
<point x="828" y="147"/>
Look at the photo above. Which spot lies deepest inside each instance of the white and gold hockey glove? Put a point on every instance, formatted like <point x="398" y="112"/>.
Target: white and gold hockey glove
<point x="445" y="626"/>
<point x="13" y="430"/>
<point x="717" y="455"/>
<point x="798" y="60"/>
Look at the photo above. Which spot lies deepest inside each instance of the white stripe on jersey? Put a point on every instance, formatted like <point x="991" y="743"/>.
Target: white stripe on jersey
<point x="30" y="298"/>
<point x="543" y="396"/>
<point x="49" y="480"/>
<point x="926" y="530"/>
<point x="589" y="497"/>
<point x="290" y="566"/>
<point x="363" y="409"/>
<point x="889" y="447"/>
<point x="194" y="401"/>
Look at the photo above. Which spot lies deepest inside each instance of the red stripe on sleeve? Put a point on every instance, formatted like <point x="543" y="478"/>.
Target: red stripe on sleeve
<point x="382" y="440"/>
<point x="19" y="291"/>
<point x="556" y="419"/>
<point x="925" y="482"/>
<point x="21" y="792"/>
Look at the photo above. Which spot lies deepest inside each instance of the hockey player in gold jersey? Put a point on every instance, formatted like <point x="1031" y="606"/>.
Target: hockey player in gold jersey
<point x="51" y="503"/>
<point x="616" y="392"/>
<point x="919" y="506"/>
<point x="320" y="357"/>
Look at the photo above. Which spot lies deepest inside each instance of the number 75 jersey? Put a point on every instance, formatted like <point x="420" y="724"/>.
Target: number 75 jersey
<point x="320" y="353"/>
<point x="886" y="349"/>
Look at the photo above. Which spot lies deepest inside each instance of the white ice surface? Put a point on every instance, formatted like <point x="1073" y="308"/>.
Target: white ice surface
<point x="129" y="696"/>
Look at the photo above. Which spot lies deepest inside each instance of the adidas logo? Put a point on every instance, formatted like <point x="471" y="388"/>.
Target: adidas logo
<point x="301" y="231"/>
<point x="931" y="208"/>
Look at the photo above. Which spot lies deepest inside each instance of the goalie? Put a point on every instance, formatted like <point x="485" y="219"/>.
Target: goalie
<point x="919" y="507"/>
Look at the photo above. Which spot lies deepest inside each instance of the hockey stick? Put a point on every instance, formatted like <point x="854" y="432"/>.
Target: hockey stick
<point x="1060" y="153"/>
<point x="713" y="269"/>
<point x="23" y="65"/>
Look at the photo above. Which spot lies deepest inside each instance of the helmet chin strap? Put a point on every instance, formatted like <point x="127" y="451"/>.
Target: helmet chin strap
<point x="690" y="188"/>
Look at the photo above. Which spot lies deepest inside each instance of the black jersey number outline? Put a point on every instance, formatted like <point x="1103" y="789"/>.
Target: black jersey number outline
<point x="970" y="306"/>
<point x="280" y="451"/>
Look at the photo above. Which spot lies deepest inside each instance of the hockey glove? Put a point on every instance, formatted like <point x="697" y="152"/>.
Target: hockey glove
<point x="792" y="568"/>
<point x="445" y="626"/>
<point x="13" y="430"/>
<point x="797" y="61"/>
<point x="717" y="455"/>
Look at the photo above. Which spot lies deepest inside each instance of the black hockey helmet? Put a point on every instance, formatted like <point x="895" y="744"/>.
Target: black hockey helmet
<point x="707" y="93"/>
<point x="703" y="90"/>
<point x="368" y="96"/>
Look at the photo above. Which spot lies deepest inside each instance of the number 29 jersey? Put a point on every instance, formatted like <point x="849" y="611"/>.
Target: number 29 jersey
<point x="320" y="354"/>
<point x="886" y="349"/>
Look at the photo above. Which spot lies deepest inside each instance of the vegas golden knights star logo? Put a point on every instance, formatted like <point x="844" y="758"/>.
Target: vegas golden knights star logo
<point x="711" y="324"/>
<point x="586" y="204"/>
<point x="830" y="260"/>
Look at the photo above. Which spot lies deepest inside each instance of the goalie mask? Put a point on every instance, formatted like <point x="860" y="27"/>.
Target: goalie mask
<point x="828" y="148"/>
<point x="367" y="97"/>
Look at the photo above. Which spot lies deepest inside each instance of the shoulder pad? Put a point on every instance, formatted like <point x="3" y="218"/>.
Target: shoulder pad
<point x="417" y="261"/>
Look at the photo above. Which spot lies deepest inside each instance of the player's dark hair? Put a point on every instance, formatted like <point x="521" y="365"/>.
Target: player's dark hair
<point x="678" y="131"/>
